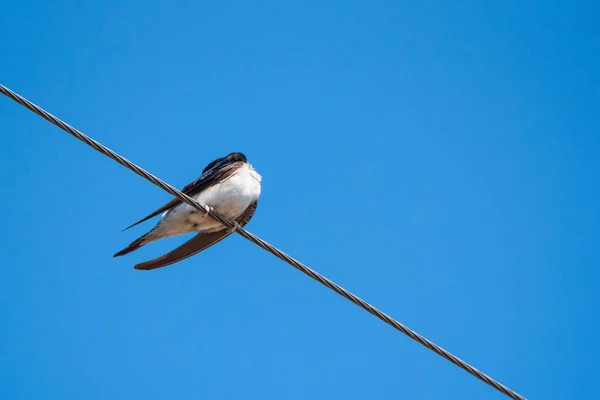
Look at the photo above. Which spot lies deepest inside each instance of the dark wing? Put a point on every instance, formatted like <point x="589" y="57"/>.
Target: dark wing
<point x="193" y="246"/>
<point x="247" y="215"/>
<point x="211" y="177"/>
<point x="196" y="244"/>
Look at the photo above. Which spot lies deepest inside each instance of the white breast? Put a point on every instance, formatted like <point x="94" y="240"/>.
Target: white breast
<point x="229" y="199"/>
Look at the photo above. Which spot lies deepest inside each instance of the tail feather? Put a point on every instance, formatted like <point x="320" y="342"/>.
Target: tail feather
<point x="136" y="244"/>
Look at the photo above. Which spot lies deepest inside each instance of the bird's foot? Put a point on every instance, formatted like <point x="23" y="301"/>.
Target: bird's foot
<point x="234" y="227"/>
<point x="207" y="209"/>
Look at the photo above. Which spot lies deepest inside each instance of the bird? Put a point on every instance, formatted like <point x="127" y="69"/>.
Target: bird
<point x="229" y="186"/>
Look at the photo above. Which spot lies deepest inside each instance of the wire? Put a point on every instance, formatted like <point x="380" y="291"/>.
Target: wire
<point x="261" y="243"/>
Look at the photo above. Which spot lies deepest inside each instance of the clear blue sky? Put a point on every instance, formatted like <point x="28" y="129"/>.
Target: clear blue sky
<point x="440" y="160"/>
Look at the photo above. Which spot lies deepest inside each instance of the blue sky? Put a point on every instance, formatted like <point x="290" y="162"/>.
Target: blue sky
<point x="438" y="159"/>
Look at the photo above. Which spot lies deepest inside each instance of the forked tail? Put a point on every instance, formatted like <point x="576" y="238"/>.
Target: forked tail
<point x="136" y="244"/>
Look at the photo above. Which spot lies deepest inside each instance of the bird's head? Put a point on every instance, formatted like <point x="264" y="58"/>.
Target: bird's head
<point x="223" y="161"/>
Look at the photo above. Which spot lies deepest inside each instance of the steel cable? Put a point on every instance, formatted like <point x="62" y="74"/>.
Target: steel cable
<point x="261" y="243"/>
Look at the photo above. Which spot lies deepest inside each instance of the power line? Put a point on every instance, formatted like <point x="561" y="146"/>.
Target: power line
<point x="261" y="243"/>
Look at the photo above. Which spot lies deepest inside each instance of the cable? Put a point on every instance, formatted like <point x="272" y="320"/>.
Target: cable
<point x="261" y="243"/>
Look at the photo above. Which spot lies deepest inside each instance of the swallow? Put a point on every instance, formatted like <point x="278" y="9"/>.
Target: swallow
<point x="228" y="186"/>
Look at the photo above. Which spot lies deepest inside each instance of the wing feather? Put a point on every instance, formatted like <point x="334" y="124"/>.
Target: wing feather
<point x="210" y="177"/>
<point x="193" y="246"/>
<point x="196" y="244"/>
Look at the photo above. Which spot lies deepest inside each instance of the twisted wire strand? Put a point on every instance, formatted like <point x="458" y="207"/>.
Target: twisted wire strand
<point x="263" y="244"/>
